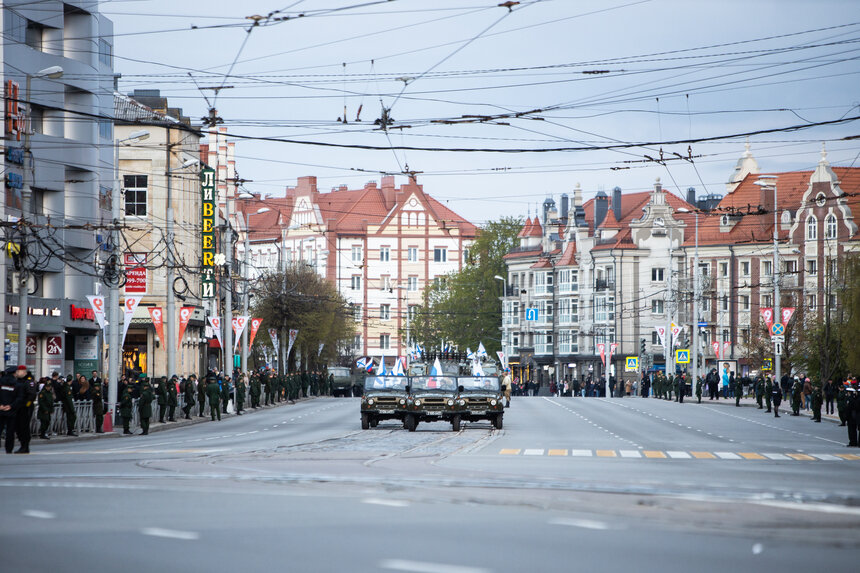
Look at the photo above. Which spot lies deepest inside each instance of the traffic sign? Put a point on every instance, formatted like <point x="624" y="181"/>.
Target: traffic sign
<point x="682" y="356"/>
<point x="778" y="329"/>
<point x="767" y="364"/>
<point x="632" y="364"/>
<point x="777" y="339"/>
<point x="532" y="314"/>
<point x="777" y="349"/>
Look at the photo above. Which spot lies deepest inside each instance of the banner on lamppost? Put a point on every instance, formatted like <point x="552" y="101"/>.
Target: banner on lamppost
<point x="158" y="322"/>
<point x="273" y="334"/>
<point x="319" y="352"/>
<point x="293" y="334"/>
<point x="255" y="326"/>
<point x="98" y="304"/>
<point x="239" y="324"/>
<point x="601" y="349"/>
<point x="661" y="333"/>
<point x="130" y="306"/>
<point x="215" y="323"/>
<point x="207" y="220"/>
<point x="184" y="318"/>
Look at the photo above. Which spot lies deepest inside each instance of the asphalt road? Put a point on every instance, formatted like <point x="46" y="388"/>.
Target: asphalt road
<point x="609" y="485"/>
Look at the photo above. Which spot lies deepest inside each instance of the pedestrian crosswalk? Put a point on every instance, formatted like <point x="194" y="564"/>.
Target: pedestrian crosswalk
<point x="680" y="455"/>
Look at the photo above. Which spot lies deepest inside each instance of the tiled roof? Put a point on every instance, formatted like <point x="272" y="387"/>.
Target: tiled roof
<point x="523" y="254"/>
<point x="535" y="230"/>
<point x="541" y="264"/>
<point x="568" y="259"/>
<point x="526" y="227"/>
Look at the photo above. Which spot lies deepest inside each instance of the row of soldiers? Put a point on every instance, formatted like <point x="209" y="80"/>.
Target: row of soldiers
<point x="666" y="387"/>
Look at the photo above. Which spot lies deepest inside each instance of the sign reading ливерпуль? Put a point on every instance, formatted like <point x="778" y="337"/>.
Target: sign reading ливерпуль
<point x="207" y="220"/>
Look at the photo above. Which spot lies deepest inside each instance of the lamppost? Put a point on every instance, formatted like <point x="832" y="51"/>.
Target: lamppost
<point x="52" y="73"/>
<point x="768" y="182"/>
<point x="504" y="294"/>
<point x="246" y="245"/>
<point x="113" y="281"/>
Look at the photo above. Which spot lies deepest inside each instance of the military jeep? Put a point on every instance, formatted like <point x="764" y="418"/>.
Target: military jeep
<point x="384" y="398"/>
<point x="432" y="399"/>
<point x="481" y="398"/>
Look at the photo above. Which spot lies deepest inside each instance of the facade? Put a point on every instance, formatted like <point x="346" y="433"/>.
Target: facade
<point x="71" y="177"/>
<point x="168" y="157"/>
<point x="619" y="269"/>
<point x="381" y="245"/>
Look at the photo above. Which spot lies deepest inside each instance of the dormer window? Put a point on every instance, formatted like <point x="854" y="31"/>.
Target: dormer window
<point x="725" y="221"/>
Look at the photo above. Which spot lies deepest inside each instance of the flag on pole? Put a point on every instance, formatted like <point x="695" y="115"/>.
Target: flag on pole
<point x="130" y="306"/>
<point x="398" y="370"/>
<point x="239" y="324"/>
<point x="319" y="350"/>
<point x="469" y="354"/>
<point x="437" y="368"/>
<point x="601" y="349"/>
<point x="293" y="335"/>
<point x="273" y="334"/>
<point x="157" y="321"/>
<point x="255" y="326"/>
<point x="503" y="360"/>
<point x="476" y="369"/>
<point x="365" y="363"/>
<point x="767" y="317"/>
<point x="716" y="346"/>
<point x="215" y="323"/>
<point x="381" y="370"/>
<point x="726" y="347"/>
<point x="787" y="313"/>
<point x="482" y="352"/>
<point x="98" y="304"/>
<point x="661" y="333"/>
<point x="184" y="318"/>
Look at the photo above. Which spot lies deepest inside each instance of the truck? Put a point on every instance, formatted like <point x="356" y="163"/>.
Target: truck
<point x="343" y="381"/>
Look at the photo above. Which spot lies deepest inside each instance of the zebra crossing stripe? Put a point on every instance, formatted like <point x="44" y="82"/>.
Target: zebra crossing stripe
<point x="827" y="457"/>
<point x="727" y="456"/>
<point x="654" y="454"/>
<point x="801" y="457"/>
<point x="557" y="452"/>
<point x="776" y="456"/>
<point x="704" y="455"/>
<point x="533" y="453"/>
<point x="606" y="453"/>
<point x="849" y="456"/>
<point x="630" y="453"/>
<point x="509" y="452"/>
<point x="581" y="453"/>
<point x="751" y="456"/>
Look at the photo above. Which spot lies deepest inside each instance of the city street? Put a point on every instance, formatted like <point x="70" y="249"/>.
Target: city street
<point x="607" y="484"/>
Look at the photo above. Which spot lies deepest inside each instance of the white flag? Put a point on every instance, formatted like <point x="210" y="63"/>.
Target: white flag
<point x="215" y="323"/>
<point x="131" y="303"/>
<point x="293" y="334"/>
<point x="482" y="352"/>
<point x="273" y="334"/>
<point x="502" y="358"/>
<point x="319" y="352"/>
<point x="239" y="324"/>
<point x="98" y="304"/>
<point x="661" y="333"/>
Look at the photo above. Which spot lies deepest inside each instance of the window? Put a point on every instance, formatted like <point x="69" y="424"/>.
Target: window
<point x="745" y="302"/>
<point x="356" y="282"/>
<point x="726" y="335"/>
<point x="515" y="339"/>
<point x="356" y="342"/>
<point x="657" y="275"/>
<point x="574" y="312"/>
<point x="105" y="53"/>
<point x="356" y="312"/>
<point x="767" y="268"/>
<point x="745" y="268"/>
<point x="811" y="228"/>
<point x="745" y="336"/>
<point x="724" y="269"/>
<point x="413" y="311"/>
<point x="356" y="254"/>
<point x="657" y="306"/>
<point x="384" y="254"/>
<point x="413" y="254"/>
<point x="385" y="312"/>
<point x="465" y="256"/>
<point x="811" y="267"/>
<point x="830" y="227"/>
<point x="655" y="339"/>
<point x="548" y="310"/>
<point x="16" y="26"/>
<point x="831" y="267"/>
<point x="767" y="300"/>
<point x="385" y="283"/>
<point x="34" y="35"/>
<point x="810" y="301"/>
<point x="105" y="129"/>
<point x="385" y="341"/>
<point x="135" y="195"/>
<point x="440" y="254"/>
<point x="600" y="308"/>
<point x="706" y="305"/>
<point x="412" y="284"/>
<point x="725" y="302"/>
<point x="831" y="300"/>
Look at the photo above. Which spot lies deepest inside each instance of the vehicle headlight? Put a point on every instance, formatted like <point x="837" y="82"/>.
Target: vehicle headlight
<point x="492" y="402"/>
<point x="370" y="402"/>
<point x="450" y="402"/>
<point x="462" y="402"/>
<point x="402" y="401"/>
<point x="417" y="402"/>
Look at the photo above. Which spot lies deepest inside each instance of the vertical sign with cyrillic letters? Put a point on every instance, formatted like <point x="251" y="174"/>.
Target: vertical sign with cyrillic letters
<point x="207" y="186"/>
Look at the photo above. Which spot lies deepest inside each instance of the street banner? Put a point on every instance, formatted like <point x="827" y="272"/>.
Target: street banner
<point x="601" y="348"/>
<point x="239" y="324"/>
<point x="726" y="347"/>
<point x="293" y="334"/>
<point x="503" y="360"/>
<point x="612" y="348"/>
<point x="98" y="304"/>
<point x="661" y="334"/>
<point x="676" y="333"/>
<point x="131" y="303"/>
<point x="184" y="317"/>
<point x="157" y="321"/>
<point x="319" y="350"/>
<point x="273" y="334"/>
<point x="716" y="346"/>
<point x="215" y="323"/>
<point x="787" y="313"/>
<point x="767" y="316"/>
<point x="255" y="326"/>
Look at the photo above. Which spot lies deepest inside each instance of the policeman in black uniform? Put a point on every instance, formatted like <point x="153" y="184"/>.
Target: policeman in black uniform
<point x="11" y="398"/>
<point x="776" y="398"/>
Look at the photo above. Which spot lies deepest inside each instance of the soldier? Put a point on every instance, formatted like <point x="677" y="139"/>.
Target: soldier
<point x="738" y="389"/>
<point x="172" y="400"/>
<point x="224" y="383"/>
<point x="699" y="390"/>
<point x="842" y="403"/>
<point x="776" y="397"/>
<point x="11" y="399"/>
<point x="255" y="390"/>
<point x="161" y="393"/>
<point x="46" y="409"/>
<point x="125" y="408"/>
<point x="817" y="401"/>
<point x="188" y="391"/>
<point x="852" y="412"/>
<point x="65" y="398"/>
<point x="305" y="379"/>
<point x="214" y="393"/>
<point x="282" y="388"/>
<point x="144" y="404"/>
<point x="796" y="390"/>
<point x="768" y="391"/>
<point x="240" y="394"/>
<point x="29" y="392"/>
<point x="201" y="398"/>
<point x="681" y="389"/>
<point x="758" y="385"/>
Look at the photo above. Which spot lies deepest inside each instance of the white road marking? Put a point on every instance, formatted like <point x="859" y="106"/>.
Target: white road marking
<point x="679" y="455"/>
<point x="533" y="453"/>
<point x="386" y="502"/>
<point x="38" y="514"/>
<point x="630" y="453"/>
<point x="424" y="567"/>
<point x="727" y="456"/>
<point x="170" y="533"/>
<point x="757" y="548"/>
<point x="581" y="453"/>
<point x="581" y="523"/>
<point x="776" y="456"/>
<point x="827" y="457"/>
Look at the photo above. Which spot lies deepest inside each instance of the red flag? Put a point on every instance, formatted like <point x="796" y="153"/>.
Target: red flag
<point x="726" y="347"/>
<point x="184" y="318"/>
<point x="157" y="321"/>
<point x="255" y="326"/>
<point x="601" y="348"/>
<point x="716" y="346"/>
<point x="787" y="313"/>
<point x="767" y="317"/>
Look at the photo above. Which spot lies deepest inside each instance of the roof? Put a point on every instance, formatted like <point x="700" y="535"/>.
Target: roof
<point x="568" y="259"/>
<point x="542" y="264"/>
<point x="521" y="254"/>
<point x="525" y="230"/>
<point x="535" y="230"/>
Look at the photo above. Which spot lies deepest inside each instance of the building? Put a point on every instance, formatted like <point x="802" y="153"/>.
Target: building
<point x="617" y="271"/>
<point x="380" y="244"/>
<point x="166" y="164"/>
<point x="70" y="178"/>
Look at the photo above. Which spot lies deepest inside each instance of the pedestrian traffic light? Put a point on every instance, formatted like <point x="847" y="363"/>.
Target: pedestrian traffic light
<point x="642" y="346"/>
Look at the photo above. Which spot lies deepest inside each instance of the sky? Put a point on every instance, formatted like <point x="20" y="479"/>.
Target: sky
<point x="530" y="96"/>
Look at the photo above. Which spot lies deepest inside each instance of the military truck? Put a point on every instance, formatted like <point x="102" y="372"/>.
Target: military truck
<point x="432" y="399"/>
<point x="384" y="398"/>
<point x="481" y="398"/>
<point x="343" y="381"/>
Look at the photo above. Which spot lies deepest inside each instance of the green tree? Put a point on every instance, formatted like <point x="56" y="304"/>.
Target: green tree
<point x="464" y="307"/>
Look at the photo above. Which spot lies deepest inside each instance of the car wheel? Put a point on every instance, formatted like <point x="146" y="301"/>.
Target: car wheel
<point x="411" y="423"/>
<point x="497" y="423"/>
<point x="455" y="423"/>
<point x="365" y="422"/>
<point x="374" y="422"/>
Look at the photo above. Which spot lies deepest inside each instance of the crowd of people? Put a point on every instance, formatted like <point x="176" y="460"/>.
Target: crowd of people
<point x="21" y="394"/>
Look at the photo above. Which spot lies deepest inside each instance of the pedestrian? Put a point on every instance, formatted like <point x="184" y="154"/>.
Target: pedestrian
<point x="172" y="399"/>
<point x="67" y="401"/>
<point x="680" y="390"/>
<point x="842" y="403"/>
<point x="768" y="391"/>
<point x="852" y="414"/>
<point x="11" y="399"/>
<point x="225" y="385"/>
<point x="201" y="397"/>
<point x="160" y="388"/>
<point x="30" y="391"/>
<point x="97" y="396"/>
<point x="796" y="397"/>
<point x="255" y="390"/>
<point x="214" y="394"/>
<point x="817" y="401"/>
<point x="758" y="387"/>
<point x="144" y="404"/>
<point x="776" y="397"/>
<point x="699" y="390"/>
<point x="45" y="409"/>
<point x="240" y="394"/>
<point x="829" y="395"/>
<point x="807" y="394"/>
<point x="126" y="403"/>
<point x="506" y="387"/>
<point x="189" y="389"/>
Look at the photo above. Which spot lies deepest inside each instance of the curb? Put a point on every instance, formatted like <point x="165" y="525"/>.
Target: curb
<point x="751" y="403"/>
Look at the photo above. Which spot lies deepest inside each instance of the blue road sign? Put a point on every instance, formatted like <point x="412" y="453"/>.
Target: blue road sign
<point x="778" y="329"/>
<point x="682" y="356"/>
<point x="532" y="314"/>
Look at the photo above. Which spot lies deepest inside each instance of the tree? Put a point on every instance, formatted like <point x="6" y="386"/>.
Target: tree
<point x="464" y="307"/>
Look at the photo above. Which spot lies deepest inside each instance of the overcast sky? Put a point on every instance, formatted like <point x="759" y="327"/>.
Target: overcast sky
<point x="589" y="74"/>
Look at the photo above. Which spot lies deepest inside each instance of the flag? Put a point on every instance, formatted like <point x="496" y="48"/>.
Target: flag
<point x="239" y="324"/>
<point x="381" y="370"/>
<point x="215" y="323"/>
<point x="482" y="352"/>
<point x="365" y="363"/>
<point x="612" y="348"/>
<point x="158" y="322"/>
<point x="255" y="326"/>
<point x="716" y="346"/>
<point x="184" y="317"/>
<point x="319" y="350"/>
<point x="476" y="369"/>
<point x="293" y="335"/>
<point x="676" y="334"/>
<point x="398" y="370"/>
<point x="601" y="349"/>
<point x="767" y="317"/>
<point x="130" y="306"/>
<point x="419" y="349"/>
<point x="273" y="334"/>
<point x="787" y="313"/>
<point x="503" y="360"/>
<point x="726" y="347"/>
<point x="98" y="304"/>
<point x="469" y="354"/>
<point x="661" y="333"/>
<point x="437" y="368"/>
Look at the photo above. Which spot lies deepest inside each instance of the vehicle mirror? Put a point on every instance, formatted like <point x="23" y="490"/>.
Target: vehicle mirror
<point x="460" y="388"/>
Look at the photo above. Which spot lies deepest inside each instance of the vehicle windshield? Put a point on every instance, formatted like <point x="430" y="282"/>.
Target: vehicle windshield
<point x="431" y="383"/>
<point x="479" y="383"/>
<point x="339" y="372"/>
<point x="386" y="383"/>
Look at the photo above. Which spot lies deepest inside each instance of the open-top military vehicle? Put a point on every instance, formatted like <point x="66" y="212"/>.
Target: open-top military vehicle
<point x="481" y="398"/>
<point x="384" y="398"/>
<point x="432" y="399"/>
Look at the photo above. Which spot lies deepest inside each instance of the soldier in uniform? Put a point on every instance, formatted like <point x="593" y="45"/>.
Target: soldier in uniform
<point x="11" y="399"/>
<point x="29" y="392"/>
<point x="842" y="403"/>
<point x="97" y="395"/>
<point x="267" y="387"/>
<point x="817" y="401"/>
<point x="255" y="390"/>
<point x="738" y="389"/>
<point x="144" y="404"/>
<point x="699" y="390"/>
<point x="768" y="391"/>
<point x="282" y="388"/>
<point x="125" y="408"/>
<point x="161" y="393"/>
<point x="225" y="393"/>
<point x="240" y="394"/>
<point x="172" y="399"/>
<point x="65" y="398"/>
<point x="776" y="397"/>
<point x="201" y="397"/>
<point x="305" y="383"/>
<point x="188" y="392"/>
<point x="214" y="393"/>
<point x="796" y="390"/>
<point x="852" y="412"/>
<point x="46" y="409"/>
<point x="758" y="386"/>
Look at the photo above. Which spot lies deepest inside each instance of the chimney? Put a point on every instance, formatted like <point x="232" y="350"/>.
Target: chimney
<point x="616" y="203"/>
<point x="691" y="196"/>
<point x="601" y="207"/>
<point x="565" y="206"/>
<point x="388" y="181"/>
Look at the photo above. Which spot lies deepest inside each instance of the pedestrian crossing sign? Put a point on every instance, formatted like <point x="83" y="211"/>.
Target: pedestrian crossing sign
<point x="632" y="364"/>
<point x="682" y="356"/>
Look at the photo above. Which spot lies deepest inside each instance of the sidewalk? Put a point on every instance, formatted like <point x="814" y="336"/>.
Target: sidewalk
<point x="784" y="407"/>
<point x="180" y="422"/>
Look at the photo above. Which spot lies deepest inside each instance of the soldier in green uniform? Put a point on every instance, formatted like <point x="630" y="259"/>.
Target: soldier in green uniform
<point x="255" y="390"/>
<point x="188" y="392"/>
<point x="264" y="382"/>
<point x="144" y="405"/>
<point x="65" y="398"/>
<point x="670" y="384"/>
<point x="201" y="398"/>
<point x="97" y="395"/>
<point x="214" y="393"/>
<point x="225" y="393"/>
<point x="306" y="381"/>
<point x="817" y="400"/>
<point x="330" y="385"/>
<point x="46" y="409"/>
<point x="296" y="387"/>
<point x="125" y="408"/>
<point x="768" y="391"/>
<point x="758" y="385"/>
<point x="172" y="400"/>
<point x="161" y="393"/>
<point x="796" y="390"/>
<point x="699" y="390"/>
<point x="738" y="390"/>
<point x="282" y="388"/>
<point x="842" y="404"/>
<point x="240" y="394"/>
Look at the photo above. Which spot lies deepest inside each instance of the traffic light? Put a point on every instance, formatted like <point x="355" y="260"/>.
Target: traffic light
<point x="642" y="347"/>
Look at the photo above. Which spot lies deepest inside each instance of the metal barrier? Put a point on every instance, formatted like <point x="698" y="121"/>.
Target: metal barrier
<point x="84" y="420"/>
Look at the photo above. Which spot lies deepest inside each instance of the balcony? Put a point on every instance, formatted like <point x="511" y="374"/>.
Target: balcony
<point x="542" y="290"/>
<point x="565" y="319"/>
<point x="568" y="288"/>
<point x="789" y="280"/>
<point x="544" y="349"/>
<point x="604" y="284"/>
<point x="568" y="348"/>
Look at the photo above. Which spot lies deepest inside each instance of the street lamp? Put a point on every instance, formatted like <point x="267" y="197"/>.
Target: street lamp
<point x="246" y="247"/>
<point x="768" y="182"/>
<point x="504" y="294"/>
<point x="51" y="73"/>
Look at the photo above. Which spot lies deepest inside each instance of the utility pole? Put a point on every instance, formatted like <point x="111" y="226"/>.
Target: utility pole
<point x="227" y="322"/>
<point x="247" y="285"/>
<point x="669" y="347"/>
<point x="170" y="342"/>
<point x="695" y="321"/>
<point x="767" y="182"/>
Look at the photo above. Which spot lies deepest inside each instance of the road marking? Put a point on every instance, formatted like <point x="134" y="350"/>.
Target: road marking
<point x="849" y="456"/>
<point x="170" y="533"/>
<point x="821" y="507"/>
<point x="653" y="454"/>
<point x="510" y="452"/>
<point x="581" y="453"/>
<point x="386" y="502"/>
<point x="757" y="548"/>
<point x="679" y="455"/>
<point x="704" y="455"/>
<point x="534" y="452"/>
<point x="776" y="456"/>
<point x="606" y="453"/>
<point x="424" y="567"/>
<point x="727" y="456"/>
<point x="751" y="456"/>
<point x="558" y="452"/>
<point x="827" y="457"/>
<point x="630" y="453"/>
<point x="801" y="457"/>
<point x="581" y="523"/>
<point x="38" y="514"/>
